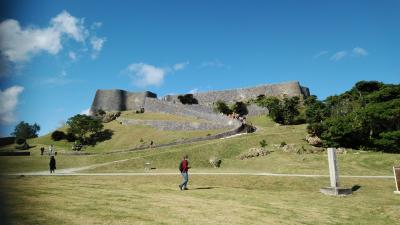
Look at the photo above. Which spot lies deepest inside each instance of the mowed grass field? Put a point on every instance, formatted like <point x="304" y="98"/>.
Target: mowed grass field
<point x="210" y="200"/>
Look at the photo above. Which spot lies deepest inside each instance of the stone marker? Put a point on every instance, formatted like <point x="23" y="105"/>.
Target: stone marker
<point x="334" y="189"/>
<point x="396" y="171"/>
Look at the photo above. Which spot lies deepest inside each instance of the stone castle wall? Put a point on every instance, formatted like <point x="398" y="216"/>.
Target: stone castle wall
<point x="197" y="111"/>
<point x="243" y="94"/>
<point x="119" y="100"/>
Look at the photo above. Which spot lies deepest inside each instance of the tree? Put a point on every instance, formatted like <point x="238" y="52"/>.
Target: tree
<point x="281" y="111"/>
<point x="25" y="131"/>
<point x="368" y="115"/>
<point x="83" y="125"/>
<point x="274" y="107"/>
<point x="240" y="108"/>
<point x="290" y="109"/>
<point x="222" y="107"/>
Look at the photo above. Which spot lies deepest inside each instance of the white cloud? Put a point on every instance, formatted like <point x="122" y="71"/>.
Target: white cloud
<point x="357" y="51"/>
<point x="96" y="25"/>
<point x="180" y="66"/>
<point x="8" y="103"/>
<point x="72" y="55"/>
<point x="85" y="112"/>
<point x="339" y="55"/>
<point x="19" y="44"/>
<point x="59" y="80"/>
<point x="97" y="44"/>
<point x="320" y="54"/>
<point x="72" y="26"/>
<point x="194" y="91"/>
<point x="146" y="74"/>
<point x="214" y="63"/>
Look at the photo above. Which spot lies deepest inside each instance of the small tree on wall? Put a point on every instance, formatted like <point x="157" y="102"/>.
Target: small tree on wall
<point x="187" y="99"/>
<point x="240" y="108"/>
<point x="222" y="107"/>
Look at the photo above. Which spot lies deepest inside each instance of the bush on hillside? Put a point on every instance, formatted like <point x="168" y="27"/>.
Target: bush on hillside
<point x="222" y="107"/>
<point x="58" y="135"/>
<point x="285" y="111"/>
<point x="187" y="99"/>
<point x="263" y="143"/>
<point x="70" y="137"/>
<point x="240" y="108"/>
<point x="20" y="141"/>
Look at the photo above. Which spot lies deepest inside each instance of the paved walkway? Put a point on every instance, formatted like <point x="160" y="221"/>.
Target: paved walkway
<point x="69" y="173"/>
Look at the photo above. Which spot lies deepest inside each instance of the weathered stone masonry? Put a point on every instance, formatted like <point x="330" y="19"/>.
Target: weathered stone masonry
<point x="120" y="100"/>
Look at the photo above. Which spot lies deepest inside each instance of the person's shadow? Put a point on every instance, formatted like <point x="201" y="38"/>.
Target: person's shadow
<point x="355" y="188"/>
<point x="203" y="188"/>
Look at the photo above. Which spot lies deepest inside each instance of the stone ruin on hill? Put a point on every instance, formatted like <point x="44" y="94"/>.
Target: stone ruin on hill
<point x="120" y="100"/>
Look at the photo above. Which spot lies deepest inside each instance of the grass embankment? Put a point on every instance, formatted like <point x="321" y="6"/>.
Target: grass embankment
<point x="127" y="137"/>
<point x="211" y="200"/>
<point x="352" y="163"/>
<point x="166" y="159"/>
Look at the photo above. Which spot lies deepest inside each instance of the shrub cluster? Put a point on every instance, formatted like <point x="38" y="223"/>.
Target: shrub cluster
<point x="366" y="116"/>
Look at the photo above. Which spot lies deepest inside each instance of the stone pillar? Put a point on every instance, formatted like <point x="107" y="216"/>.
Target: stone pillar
<point x="334" y="189"/>
<point x="333" y="170"/>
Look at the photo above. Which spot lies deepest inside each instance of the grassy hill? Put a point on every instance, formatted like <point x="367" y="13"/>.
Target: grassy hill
<point x="166" y="158"/>
<point x="212" y="199"/>
<point x="127" y="136"/>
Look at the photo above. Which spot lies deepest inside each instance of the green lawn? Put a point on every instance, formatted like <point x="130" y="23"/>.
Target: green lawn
<point x="214" y="199"/>
<point x="210" y="200"/>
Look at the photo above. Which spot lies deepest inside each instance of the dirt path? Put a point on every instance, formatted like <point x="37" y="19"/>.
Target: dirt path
<point x="69" y="173"/>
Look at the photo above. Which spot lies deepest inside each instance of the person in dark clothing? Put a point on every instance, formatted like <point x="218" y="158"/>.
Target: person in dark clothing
<point x="184" y="167"/>
<point x="52" y="164"/>
<point x="41" y="150"/>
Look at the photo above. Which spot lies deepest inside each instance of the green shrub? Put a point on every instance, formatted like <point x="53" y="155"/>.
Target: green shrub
<point x="222" y="107"/>
<point x="70" y="137"/>
<point x="58" y="135"/>
<point x="263" y="143"/>
<point x="20" y="141"/>
<point x="187" y="99"/>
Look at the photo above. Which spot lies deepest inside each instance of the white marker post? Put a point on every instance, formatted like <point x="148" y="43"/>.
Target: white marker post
<point x="334" y="189"/>
<point x="396" y="171"/>
<point x="333" y="170"/>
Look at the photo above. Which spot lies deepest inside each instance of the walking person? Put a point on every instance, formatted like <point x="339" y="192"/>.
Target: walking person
<point x="52" y="164"/>
<point x="51" y="150"/>
<point x="184" y="167"/>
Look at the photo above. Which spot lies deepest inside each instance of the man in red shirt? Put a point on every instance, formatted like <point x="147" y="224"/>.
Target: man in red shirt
<point x="184" y="167"/>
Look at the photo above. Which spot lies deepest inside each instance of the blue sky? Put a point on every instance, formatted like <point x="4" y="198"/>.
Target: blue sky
<point x="55" y="54"/>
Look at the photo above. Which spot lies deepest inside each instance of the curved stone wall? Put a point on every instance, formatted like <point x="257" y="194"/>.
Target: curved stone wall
<point x="243" y="94"/>
<point x="119" y="100"/>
